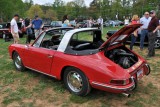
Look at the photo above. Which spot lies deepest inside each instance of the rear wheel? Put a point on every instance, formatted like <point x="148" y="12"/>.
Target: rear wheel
<point x="157" y="43"/>
<point x="76" y="82"/>
<point x="18" y="62"/>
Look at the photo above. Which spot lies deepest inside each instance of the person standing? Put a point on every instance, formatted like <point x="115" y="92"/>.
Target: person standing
<point x="14" y="28"/>
<point x="90" y="22"/>
<point x="28" y="30"/>
<point x="37" y="25"/>
<point x="151" y="34"/>
<point x="75" y="21"/>
<point x="65" y="21"/>
<point x="100" y="23"/>
<point x="144" y="31"/>
<point x="126" y="21"/>
<point x="135" y="20"/>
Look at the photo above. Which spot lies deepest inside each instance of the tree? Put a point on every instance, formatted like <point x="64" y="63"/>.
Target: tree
<point x="10" y="7"/>
<point x="35" y="10"/>
<point x="28" y="3"/>
<point x="59" y="7"/>
<point x="51" y="14"/>
<point x="80" y="3"/>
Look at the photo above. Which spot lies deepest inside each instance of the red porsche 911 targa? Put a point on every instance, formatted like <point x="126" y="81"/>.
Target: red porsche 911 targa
<point x="83" y="60"/>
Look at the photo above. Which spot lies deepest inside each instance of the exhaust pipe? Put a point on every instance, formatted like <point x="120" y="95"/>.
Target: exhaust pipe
<point x="126" y="94"/>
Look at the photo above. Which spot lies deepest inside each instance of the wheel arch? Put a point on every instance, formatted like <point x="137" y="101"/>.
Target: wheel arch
<point x="67" y="66"/>
<point x="14" y="51"/>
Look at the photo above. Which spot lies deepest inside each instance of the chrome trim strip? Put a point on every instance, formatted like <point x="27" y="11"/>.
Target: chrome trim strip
<point x="113" y="87"/>
<point x="41" y="72"/>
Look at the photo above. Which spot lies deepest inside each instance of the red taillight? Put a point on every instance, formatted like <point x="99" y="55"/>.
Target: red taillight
<point x="120" y="82"/>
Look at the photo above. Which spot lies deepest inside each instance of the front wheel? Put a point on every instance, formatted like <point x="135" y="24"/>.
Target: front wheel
<point x="18" y="62"/>
<point x="76" y="81"/>
<point x="157" y="43"/>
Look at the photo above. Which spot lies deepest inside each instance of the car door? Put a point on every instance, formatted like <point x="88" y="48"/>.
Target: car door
<point x="39" y="58"/>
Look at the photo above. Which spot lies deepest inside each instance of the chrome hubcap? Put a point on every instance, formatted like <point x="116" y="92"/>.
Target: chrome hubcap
<point x="18" y="61"/>
<point x="74" y="81"/>
<point x="157" y="43"/>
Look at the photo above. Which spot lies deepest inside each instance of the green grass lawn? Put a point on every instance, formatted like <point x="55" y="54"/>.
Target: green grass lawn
<point x="32" y="89"/>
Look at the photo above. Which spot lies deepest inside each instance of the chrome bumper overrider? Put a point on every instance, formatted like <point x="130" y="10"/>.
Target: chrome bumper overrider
<point x="149" y="69"/>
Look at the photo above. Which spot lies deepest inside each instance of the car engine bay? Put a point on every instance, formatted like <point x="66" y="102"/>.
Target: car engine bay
<point x="122" y="56"/>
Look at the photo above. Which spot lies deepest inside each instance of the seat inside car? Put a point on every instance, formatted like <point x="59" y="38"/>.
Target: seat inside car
<point x="56" y="39"/>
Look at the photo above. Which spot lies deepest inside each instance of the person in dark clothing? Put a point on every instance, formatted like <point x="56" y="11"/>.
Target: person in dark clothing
<point x="152" y="35"/>
<point x="28" y="31"/>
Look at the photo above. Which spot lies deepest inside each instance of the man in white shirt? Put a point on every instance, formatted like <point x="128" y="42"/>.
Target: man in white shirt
<point x="100" y="23"/>
<point x="145" y="20"/>
<point x="14" y="29"/>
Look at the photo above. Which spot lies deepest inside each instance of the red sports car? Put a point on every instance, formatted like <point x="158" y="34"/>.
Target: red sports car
<point x="83" y="60"/>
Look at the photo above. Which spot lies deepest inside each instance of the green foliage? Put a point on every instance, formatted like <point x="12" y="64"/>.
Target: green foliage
<point x="35" y="10"/>
<point x="51" y="14"/>
<point x="10" y="7"/>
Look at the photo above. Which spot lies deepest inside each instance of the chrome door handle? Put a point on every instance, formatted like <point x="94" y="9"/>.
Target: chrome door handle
<point x="50" y="56"/>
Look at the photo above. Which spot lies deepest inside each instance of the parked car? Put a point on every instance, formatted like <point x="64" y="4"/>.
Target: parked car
<point x="119" y="23"/>
<point x="115" y="23"/>
<point x="46" y="26"/>
<point x="5" y="32"/>
<point x="82" y="24"/>
<point x="56" y="23"/>
<point x="157" y="42"/>
<point x="2" y="29"/>
<point x="106" y="24"/>
<point x="83" y="60"/>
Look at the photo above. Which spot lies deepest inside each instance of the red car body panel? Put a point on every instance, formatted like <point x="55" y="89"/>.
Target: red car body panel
<point x="97" y="68"/>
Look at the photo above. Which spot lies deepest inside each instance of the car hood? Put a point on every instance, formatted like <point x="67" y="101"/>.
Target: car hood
<point x="121" y="35"/>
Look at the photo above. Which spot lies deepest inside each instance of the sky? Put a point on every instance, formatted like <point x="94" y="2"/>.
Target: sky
<point x="87" y="2"/>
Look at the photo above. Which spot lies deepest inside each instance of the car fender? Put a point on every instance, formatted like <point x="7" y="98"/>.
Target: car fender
<point x="16" y="48"/>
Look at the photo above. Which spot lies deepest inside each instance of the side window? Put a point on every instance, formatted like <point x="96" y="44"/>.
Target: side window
<point x="38" y="42"/>
<point x="47" y="40"/>
<point x="83" y="43"/>
<point x="84" y="36"/>
<point x="47" y="37"/>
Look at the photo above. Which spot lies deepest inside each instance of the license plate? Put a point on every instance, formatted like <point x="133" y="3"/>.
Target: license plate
<point x="140" y="74"/>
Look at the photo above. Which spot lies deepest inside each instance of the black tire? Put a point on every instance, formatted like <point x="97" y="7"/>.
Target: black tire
<point x="18" y="62"/>
<point x="85" y="87"/>
<point x="157" y="43"/>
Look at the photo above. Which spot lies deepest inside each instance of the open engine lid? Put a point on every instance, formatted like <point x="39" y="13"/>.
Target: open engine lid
<point x="120" y="36"/>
